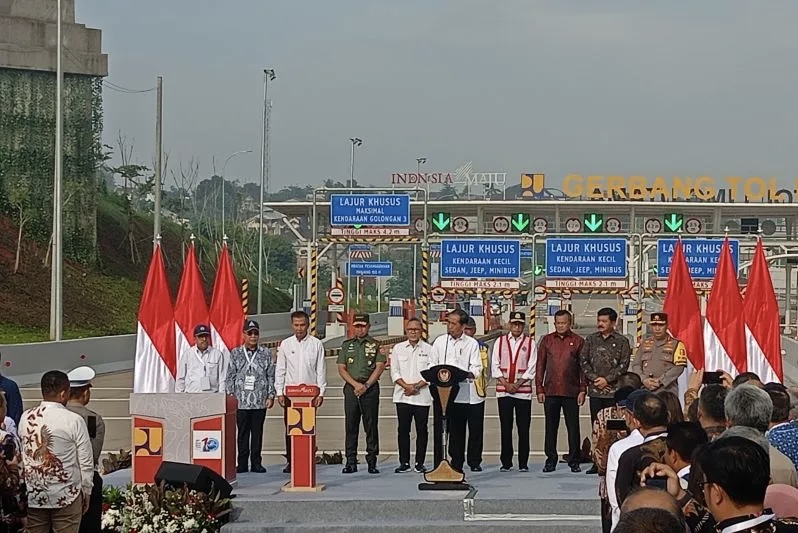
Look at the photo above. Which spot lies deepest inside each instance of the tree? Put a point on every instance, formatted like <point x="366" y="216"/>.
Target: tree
<point x="132" y="174"/>
<point x="19" y="194"/>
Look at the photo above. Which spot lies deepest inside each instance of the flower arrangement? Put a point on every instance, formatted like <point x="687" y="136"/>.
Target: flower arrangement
<point x="159" y="508"/>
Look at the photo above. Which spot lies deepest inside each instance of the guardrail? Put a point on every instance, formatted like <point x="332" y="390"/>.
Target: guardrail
<point x="25" y="363"/>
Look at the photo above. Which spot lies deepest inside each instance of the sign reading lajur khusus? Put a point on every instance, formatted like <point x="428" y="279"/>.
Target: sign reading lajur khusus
<point x="480" y="258"/>
<point x="370" y="209"/>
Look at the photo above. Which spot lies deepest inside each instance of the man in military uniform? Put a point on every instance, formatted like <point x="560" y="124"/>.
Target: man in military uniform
<point x="79" y="396"/>
<point x="360" y="364"/>
<point x="660" y="358"/>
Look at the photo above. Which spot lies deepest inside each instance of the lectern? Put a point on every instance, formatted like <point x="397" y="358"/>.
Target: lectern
<point x="444" y="383"/>
<point x="301" y="429"/>
<point x="195" y="428"/>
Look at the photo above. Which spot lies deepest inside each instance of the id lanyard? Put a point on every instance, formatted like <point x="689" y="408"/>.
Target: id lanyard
<point x="202" y="361"/>
<point x="250" y="360"/>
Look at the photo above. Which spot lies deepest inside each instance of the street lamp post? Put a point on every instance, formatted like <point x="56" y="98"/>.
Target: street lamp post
<point x="224" y="166"/>
<point x="355" y="142"/>
<point x="268" y="75"/>
<point x="56" y="279"/>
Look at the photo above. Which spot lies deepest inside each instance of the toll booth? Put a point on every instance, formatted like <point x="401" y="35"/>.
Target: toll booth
<point x="477" y="312"/>
<point x="554" y="305"/>
<point x="396" y="317"/>
<point x="630" y="317"/>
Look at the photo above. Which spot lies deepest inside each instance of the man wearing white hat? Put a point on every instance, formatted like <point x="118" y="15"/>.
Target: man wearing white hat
<point x="79" y="396"/>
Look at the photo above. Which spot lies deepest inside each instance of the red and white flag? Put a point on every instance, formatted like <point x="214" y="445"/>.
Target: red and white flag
<point x="190" y="307"/>
<point x="762" y="329"/>
<point x="227" y="315"/>
<point x="724" y="329"/>
<point x="684" y="314"/>
<point x="156" y="360"/>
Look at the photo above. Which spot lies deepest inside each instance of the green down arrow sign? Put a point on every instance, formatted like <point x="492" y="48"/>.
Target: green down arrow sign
<point x="441" y="221"/>
<point x="539" y="270"/>
<point x="594" y="221"/>
<point x="674" y="222"/>
<point x="520" y="222"/>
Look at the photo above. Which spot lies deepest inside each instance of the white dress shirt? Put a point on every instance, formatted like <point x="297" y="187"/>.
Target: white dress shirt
<point x="407" y="362"/>
<point x="56" y="456"/>
<point x="613" y="457"/>
<point x="201" y="371"/>
<point x="516" y="345"/>
<point x="300" y="362"/>
<point x="462" y="352"/>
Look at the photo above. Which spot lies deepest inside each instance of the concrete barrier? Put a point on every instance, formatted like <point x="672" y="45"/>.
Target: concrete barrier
<point x="25" y="363"/>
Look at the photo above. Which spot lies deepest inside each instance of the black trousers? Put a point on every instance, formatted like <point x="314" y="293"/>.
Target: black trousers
<point x="570" y="409"/>
<point x="91" y="522"/>
<point x="597" y="404"/>
<point x="606" y="516"/>
<point x="407" y="413"/>
<point x="521" y="410"/>
<point x="464" y="416"/>
<point x="438" y="452"/>
<point x="366" y="407"/>
<point x="250" y="435"/>
<point x="285" y="423"/>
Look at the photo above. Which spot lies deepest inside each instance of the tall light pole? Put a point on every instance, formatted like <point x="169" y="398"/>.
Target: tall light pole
<point x="268" y="75"/>
<point x="224" y="166"/>
<point x="419" y="161"/>
<point x="355" y="142"/>
<point x="56" y="274"/>
<point x="156" y="218"/>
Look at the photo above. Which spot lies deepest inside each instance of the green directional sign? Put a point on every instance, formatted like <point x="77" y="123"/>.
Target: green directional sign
<point x="441" y="221"/>
<point x="520" y="222"/>
<point x="357" y="226"/>
<point x="539" y="270"/>
<point x="674" y="222"/>
<point x="593" y="222"/>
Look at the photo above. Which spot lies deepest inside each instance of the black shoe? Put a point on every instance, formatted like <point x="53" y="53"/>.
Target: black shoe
<point x="287" y="469"/>
<point x="349" y="469"/>
<point x="523" y="469"/>
<point x="593" y="470"/>
<point x="505" y="468"/>
<point x="258" y="469"/>
<point x="421" y="469"/>
<point x="242" y="469"/>
<point x="549" y="467"/>
<point x="374" y="470"/>
<point x="575" y="468"/>
<point x="476" y="468"/>
<point x="402" y="468"/>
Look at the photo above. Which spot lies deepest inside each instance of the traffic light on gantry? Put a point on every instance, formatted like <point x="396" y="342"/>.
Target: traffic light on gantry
<point x="521" y="223"/>
<point x="441" y="222"/>
<point x="674" y="222"/>
<point x="593" y="222"/>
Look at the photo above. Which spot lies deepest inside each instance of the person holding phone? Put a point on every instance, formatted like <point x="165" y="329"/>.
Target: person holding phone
<point x="660" y="358"/>
<point x="79" y="397"/>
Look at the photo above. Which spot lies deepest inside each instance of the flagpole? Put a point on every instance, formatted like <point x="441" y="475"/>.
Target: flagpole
<point x="56" y="282"/>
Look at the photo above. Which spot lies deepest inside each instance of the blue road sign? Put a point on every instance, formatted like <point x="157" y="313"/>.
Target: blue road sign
<point x="586" y="258"/>
<point x="702" y="256"/>
<point x="526" y="253"/>
<point x="359" y="247"/>
<point x="371" y="268"/>
<point x="480" y="258"/>
<point x="370" y="209"/>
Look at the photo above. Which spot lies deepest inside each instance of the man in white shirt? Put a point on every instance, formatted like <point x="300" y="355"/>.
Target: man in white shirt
<point x="456" y="349"/>
<point x="57" y="460"/>
<point x="300" y="361"/>
<point x="635" y="438"/>
<point x="411" y="394"/>
<point x="513" y="367"/>
<point x="201" y="368"/>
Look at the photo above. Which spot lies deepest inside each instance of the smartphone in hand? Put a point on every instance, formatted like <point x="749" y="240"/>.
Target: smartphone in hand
<point x="712" y="378"/>
<point x="617" y="424"/>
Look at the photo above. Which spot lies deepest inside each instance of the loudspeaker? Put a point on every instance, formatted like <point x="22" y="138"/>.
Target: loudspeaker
<point x="196" y="477"/>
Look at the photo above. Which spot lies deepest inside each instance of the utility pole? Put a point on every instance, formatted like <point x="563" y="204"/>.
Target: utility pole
<point x="268" y="74"/>
<point x="419" y="161"/>
<point x="56" y="279"/>
<point x="156" y="219"/>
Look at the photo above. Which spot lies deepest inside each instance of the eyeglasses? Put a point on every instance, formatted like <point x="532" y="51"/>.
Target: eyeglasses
<point x="413" y="329"/>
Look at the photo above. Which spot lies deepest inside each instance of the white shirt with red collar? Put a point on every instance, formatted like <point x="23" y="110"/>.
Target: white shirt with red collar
<point x="514" y="359"/>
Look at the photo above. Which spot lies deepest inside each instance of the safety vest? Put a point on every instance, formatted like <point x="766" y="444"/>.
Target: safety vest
<point x="513" y="365"/>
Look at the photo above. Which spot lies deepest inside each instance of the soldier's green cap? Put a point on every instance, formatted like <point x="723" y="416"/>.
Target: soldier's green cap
<point x="360" y="319"/>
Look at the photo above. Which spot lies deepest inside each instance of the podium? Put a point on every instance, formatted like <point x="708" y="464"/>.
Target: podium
<point x="196" y="428"/>
<point x="444" y="383"/>
<point x="301" y="429"/>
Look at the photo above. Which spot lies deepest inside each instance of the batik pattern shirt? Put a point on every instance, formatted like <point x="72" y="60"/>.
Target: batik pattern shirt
<point x="250" y="377"/>
<point x="56" y="455"/>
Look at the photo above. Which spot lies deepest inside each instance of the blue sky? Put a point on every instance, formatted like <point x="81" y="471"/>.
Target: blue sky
<point x="553" y="86"/>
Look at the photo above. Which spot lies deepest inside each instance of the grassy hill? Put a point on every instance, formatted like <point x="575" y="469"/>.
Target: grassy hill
<point x="99" y="301"/>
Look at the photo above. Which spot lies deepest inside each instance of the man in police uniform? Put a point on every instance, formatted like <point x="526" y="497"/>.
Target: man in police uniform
<point x="660" y="358"/>
<point x="79" y="396"/>
<point x="360" y="364"/>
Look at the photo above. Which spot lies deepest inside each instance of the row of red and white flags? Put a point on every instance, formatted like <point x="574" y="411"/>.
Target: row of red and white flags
<point x="166" y="330"/>
<point x="738" y="334"/>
